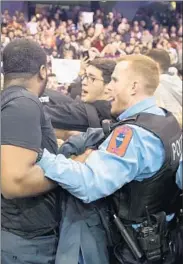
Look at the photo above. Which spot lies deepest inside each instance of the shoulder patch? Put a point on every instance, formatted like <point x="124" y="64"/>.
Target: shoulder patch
<point x="120" y="140"/>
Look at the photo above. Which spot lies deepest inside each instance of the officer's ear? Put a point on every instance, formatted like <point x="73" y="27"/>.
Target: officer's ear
<point x="134" y="88"/>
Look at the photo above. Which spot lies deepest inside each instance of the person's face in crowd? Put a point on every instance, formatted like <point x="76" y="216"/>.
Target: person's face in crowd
<point x="91" y="32"/>
<point x="110" y="40"/>
<point x="3" y="38"/>
<point x="67" y="39"/>
<point x="80" y="19"/>
<point x="180" y="41"/>
<point x="98" y="12"/>
<point x="64" y="24"/>
<point x="173" y="29"/>
<point x="52" y="24"/>
<point x="129" y="49"/>
<point x="64" y="89"/>
<point x="87" y="44"/>
<point x="164" y="31"/>
<point x="56" y="16"/>
<point x="156" y="28"/>
<point x="118" y="38"/>
<point x="62" y="30"/>
<point x="137" y="50"/>
<point x="110" y="28"/>
<point x="92" y="85"/>
<point x="21" y="17"/>
<point x="118" y="16"/>
<point x="69" y="22"/>
<point x="18" y="33"/>
<point x="132" y="34"/>
<point x="73" y="38"/>
<point x="4" y="30"/>
<point x="142" y="23"/>
<point x="135" y="23"/>
<point x="14" y="19"/>
<point x="173" y="35"/>
<point x="123" y="46"/>
<point x="159" y="46"/>
<point x="84" y="35"/>
<point x="165" y="42"/>
<point x="146" y="32"/>
<point x="136" y="29"/>
<point x="99" y="21"/>
<point x="93" y="53"/>
<point x="68" y="54"/>
<point x="11" y="35"/>
<point x="54" y="53"/>
<point x="110" y="15"/>
<point x="33" y="19"/>
<point x="113" y="35"/>
<point x="168" y="45"/>
<point x="180" y="32"/>
<point x="132" y="41"/>
<point x="124" y="21"/>
<point x="122" y="87"/>
<point x="80" y="36"/>
<point x="101" y="37"/>
<point x="122" y="31"/>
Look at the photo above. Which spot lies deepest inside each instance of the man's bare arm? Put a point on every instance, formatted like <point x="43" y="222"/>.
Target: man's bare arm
<point x="20" y="177"/>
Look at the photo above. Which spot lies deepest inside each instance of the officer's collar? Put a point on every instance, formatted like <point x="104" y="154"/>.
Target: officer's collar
<point x="137" y="108"/>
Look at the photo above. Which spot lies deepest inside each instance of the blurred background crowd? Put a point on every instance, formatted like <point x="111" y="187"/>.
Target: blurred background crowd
<point x="65" y="34"/>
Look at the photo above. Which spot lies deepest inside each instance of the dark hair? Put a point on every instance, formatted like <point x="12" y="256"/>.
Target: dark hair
<point x="106" y="66"/>
<point x="22" y="57"/>
<point x="161" y="57"/>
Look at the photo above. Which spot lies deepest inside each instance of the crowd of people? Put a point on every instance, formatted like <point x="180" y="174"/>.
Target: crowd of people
<point x="110" y="35"/>
<point x="91" y="173"/>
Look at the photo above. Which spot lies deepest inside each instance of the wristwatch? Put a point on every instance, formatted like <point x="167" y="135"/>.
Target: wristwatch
<point x="39" y="156"/>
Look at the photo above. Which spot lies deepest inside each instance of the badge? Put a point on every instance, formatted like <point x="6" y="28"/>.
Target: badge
<point x="120" y="140"/>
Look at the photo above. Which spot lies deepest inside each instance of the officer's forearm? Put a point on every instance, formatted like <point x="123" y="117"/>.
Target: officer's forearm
<point x="34" y="183"/>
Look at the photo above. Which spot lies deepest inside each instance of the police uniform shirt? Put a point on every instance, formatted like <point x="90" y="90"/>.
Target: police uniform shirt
<point x="136" y="155"/>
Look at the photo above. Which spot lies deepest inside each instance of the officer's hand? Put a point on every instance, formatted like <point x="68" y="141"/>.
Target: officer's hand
<point x="82" y="158"/>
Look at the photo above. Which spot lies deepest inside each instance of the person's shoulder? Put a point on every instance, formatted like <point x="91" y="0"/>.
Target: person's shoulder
<point x="21" y="97"/>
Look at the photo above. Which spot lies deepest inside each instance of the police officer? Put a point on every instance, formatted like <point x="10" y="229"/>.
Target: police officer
<point x="136" y="164"/>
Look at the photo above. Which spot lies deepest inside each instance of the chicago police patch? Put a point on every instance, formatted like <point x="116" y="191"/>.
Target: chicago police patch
<point x="120" y="140"/>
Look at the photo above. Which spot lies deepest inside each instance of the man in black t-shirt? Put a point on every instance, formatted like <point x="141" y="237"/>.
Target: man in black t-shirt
<point x="30" y="209"/>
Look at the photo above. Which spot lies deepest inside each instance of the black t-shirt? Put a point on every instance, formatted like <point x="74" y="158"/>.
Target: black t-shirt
<point x="25" y="125"/>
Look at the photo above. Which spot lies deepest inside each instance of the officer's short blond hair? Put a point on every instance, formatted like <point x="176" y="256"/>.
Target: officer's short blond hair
<point x="144" y="68"/>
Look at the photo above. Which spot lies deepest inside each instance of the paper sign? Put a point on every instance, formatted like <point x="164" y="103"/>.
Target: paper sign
<point x="87" y="17"/>
<point x="65" y="70"/>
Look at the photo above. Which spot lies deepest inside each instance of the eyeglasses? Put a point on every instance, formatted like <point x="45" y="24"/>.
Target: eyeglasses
<point x="90" y="78"/>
